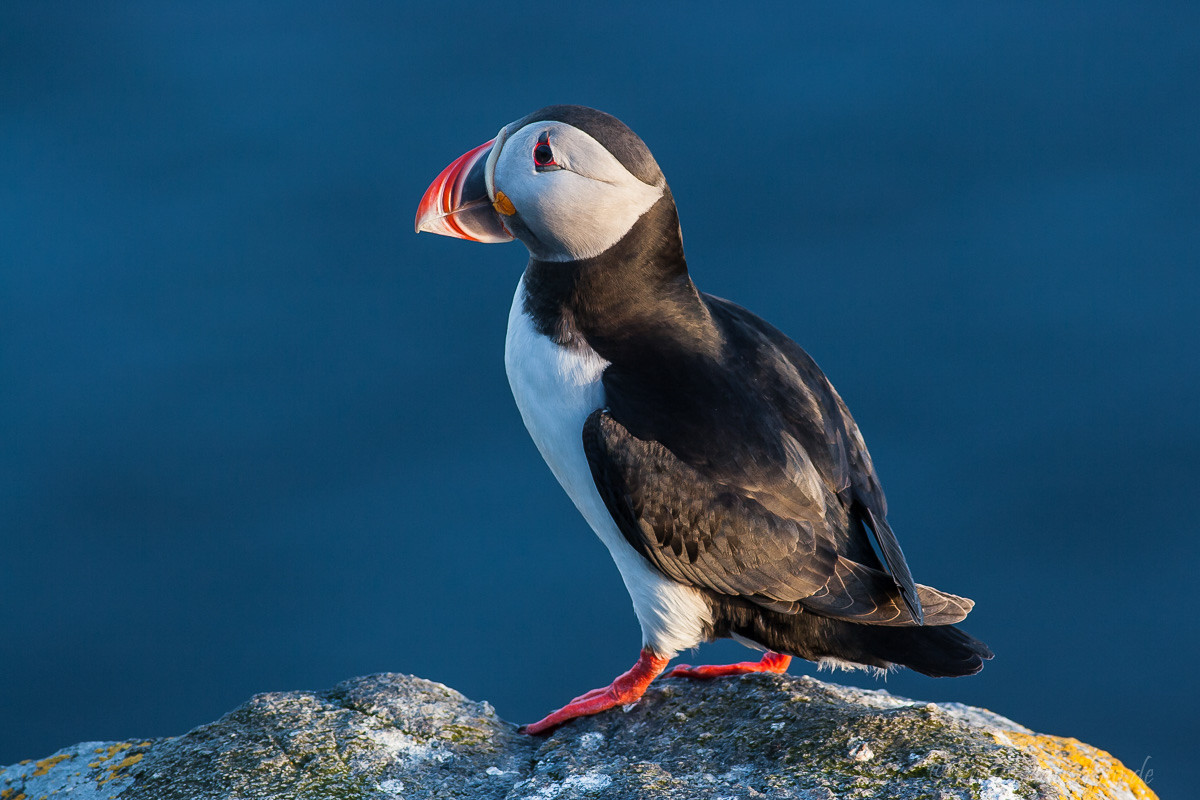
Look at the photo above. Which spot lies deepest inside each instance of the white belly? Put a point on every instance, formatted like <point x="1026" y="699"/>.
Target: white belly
<point x="556" y="389"/>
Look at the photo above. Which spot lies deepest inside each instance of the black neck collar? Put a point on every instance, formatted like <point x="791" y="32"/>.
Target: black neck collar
<point x="636" y="294"/>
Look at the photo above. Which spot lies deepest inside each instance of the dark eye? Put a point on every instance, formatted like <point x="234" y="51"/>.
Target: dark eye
<point x="543" y="156"/>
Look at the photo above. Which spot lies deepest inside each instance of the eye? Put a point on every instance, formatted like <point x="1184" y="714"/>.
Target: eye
<point x="543" y="156"/>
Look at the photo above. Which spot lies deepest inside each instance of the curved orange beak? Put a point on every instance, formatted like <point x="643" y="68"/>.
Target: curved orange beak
<point x="457" y="203"/>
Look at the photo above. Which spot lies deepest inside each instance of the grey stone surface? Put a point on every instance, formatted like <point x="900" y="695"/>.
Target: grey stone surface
<point x="757" y="736"/>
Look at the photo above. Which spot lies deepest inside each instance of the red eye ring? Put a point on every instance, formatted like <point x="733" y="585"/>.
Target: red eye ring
<point x="543" y="156"/>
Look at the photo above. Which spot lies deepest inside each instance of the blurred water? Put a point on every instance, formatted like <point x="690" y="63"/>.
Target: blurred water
<point x="256" y="435"/>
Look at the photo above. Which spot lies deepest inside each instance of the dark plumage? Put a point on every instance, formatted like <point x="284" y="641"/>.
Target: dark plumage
<point x="714" y="420"/>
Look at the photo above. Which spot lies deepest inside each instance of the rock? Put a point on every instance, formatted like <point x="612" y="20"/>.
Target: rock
<point x="388" y="737"/>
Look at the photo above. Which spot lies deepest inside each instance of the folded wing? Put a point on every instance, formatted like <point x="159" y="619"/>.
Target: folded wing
<point x="738" y="542"/>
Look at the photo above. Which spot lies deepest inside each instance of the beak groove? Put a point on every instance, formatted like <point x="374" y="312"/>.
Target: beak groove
<point x="457" y="202"/>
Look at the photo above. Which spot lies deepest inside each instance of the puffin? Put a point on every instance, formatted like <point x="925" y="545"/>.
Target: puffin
<point x="704" y="447"/>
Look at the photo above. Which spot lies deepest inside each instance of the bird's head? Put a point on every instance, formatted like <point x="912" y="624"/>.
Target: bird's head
<point x="568" y="181"/>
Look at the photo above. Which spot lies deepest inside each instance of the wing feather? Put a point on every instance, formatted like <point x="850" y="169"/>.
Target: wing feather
<point x="819" y="420"/>
<point x="697" y="531"/>
<point x="706" y="534"/>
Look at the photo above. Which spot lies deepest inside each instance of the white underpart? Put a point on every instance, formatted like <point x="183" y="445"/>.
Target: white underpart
<point x="556" y="389"/>
<point x="575" y="212"/>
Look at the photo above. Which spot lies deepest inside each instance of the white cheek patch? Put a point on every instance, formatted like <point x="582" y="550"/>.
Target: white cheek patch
<point x="578" y="211"/>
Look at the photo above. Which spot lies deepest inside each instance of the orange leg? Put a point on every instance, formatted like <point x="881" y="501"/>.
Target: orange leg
<point x="771" y="662"/>
<point x="627" y="688"/>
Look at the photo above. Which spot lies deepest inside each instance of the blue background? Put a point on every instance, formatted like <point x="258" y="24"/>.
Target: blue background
<point x="256" y="435"/>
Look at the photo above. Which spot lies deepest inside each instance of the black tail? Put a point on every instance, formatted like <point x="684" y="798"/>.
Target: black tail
<point x="940" y="651"/>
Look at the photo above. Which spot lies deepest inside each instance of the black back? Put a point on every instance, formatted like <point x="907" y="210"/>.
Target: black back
<point x="705" y="378"/>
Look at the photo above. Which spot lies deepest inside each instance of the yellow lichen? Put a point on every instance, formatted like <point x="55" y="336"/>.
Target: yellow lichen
<point x="1085" y="772"/>
<point x="108" y="752"/>
<point x="116" y="768"/>
<point x="46" y="764"/>
<point x="11" y="794"/>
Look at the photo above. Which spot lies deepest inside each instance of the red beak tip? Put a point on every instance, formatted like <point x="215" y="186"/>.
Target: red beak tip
<point x="456" y="203"/>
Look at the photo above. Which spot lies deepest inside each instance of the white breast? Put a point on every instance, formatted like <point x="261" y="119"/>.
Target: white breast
<point x="556" y="389"/>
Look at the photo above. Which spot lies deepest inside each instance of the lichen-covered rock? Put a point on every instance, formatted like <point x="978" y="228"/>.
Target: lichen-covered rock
<point x="383" y="736"/>
<point x="758" y="736"/>
<point x="781" y="737"/>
